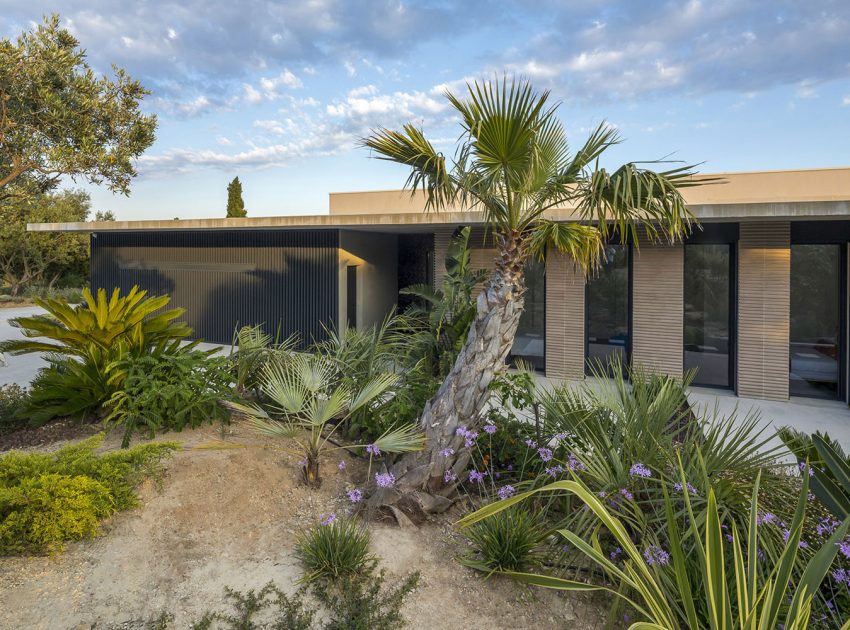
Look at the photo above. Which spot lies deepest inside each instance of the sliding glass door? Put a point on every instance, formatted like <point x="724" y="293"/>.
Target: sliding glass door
<point x="608" y="308"/>
<point x="708" y="313"/>
<point x="816" y="314"/>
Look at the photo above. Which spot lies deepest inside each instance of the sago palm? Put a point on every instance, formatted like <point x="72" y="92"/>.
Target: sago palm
<point x="513" y="163"/>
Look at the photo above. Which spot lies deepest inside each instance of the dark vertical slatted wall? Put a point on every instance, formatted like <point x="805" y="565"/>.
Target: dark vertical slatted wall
<point x="285" y="280"/>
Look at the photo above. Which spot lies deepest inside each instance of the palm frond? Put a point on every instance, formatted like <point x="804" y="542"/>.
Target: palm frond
<point x="402" y="439"/>
<point x="580" y="242"/>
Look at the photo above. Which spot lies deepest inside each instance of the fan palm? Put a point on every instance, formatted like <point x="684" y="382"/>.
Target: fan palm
<point x="513" y="163"/>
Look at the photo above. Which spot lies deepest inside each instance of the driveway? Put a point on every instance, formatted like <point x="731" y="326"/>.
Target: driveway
<point x="22" y="369"/>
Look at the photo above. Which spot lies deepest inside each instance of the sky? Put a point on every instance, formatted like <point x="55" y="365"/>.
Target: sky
<point x="280" y="93"/>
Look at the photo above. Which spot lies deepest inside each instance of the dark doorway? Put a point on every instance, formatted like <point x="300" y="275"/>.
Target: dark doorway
<point x="608" y="309"/>
<point x="351" y="295"/>
<point x="415" y="264"/>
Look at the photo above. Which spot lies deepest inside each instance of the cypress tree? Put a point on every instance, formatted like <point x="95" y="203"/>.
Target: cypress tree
<point x="235" y="204"/>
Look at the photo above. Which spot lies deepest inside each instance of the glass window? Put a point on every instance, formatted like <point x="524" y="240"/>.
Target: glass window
<point x="530" y="340"/>
<point x="707" y="313"/>
<point x="815" y="320"/>
<point x="607" y="322"/>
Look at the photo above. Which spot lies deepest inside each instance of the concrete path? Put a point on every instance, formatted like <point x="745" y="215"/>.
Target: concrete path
<point x="22" y="369"/>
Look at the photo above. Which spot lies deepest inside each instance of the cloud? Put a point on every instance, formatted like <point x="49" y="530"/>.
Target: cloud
<point x="846" y="101"/>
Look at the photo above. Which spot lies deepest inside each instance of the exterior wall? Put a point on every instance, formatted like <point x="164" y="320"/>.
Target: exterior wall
<point x="658" y="306"/>
<point x="376" y="256"/>
<point x="564" y="317"/>
<point x="764" y="277"/>
<point x="285" y="281"/>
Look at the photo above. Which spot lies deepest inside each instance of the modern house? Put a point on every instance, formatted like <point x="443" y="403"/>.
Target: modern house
<point x="756" y="300"/>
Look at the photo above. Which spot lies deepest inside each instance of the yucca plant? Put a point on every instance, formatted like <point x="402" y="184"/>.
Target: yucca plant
<point x="308" y="402"/>
<point x="334" y="548"/>
<point x="86" y="343"/>
<point x="703" y="581"/>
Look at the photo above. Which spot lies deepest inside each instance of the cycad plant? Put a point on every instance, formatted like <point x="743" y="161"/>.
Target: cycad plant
<point x="85" y="344"/>
<point x="308" y="402"/>
<point x="711" y="577"/>
<point x="513" y="163"/>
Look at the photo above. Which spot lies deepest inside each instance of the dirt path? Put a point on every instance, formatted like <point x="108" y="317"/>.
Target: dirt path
<point x="228" y="518"/>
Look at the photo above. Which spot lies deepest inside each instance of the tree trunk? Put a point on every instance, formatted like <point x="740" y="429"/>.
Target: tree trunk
<point x="422" y="483"/>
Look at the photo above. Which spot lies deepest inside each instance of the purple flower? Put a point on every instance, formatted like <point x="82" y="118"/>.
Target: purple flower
<point x="573" y="463"/>
<point x="826" y="526"/>
<point x="354" y="495"/>
<point x="531" y="443"/>
<point x="655" y="555"/>
<point x="509" y="467"/>
<point x="554" y="471"/>
<point x="616" y="553"/>
<point x="844" y="547"/>
<point x="506" y="491"/>
<point x="447" y="452"/>
<point x="804" y="467"/>
<point x="545" y="454"/>
<point x="449" y="476"/>
<point x="489" y="429"/>
<point x="476" y="476"/>
<point x="469" y="440"/>
<point x="560" y="436"/>
<point x="385" y="480"/>
<point x="327" y="520"/>
<point x="639" y="470"/>
<point x="842" y="576"/>
<point x="341" y="464"/>
<point x="678" y="487"/>
<point x="728" y="537"/>
<point x="373" y="449"/>
<point x="767" y="518"/>
<point x="629" y="496"/>
<point x="461" y="430"/>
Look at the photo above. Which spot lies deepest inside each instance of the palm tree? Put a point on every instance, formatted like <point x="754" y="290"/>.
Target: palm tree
<point x="514" y="164"/>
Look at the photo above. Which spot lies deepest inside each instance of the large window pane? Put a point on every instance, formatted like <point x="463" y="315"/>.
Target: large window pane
<point x="815" y="320"/>
<point x="707" y="304"/>
<point x="530" y="341"/>
<point x="608" y="308"/>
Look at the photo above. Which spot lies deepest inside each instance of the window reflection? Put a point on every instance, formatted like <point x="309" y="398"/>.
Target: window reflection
<point x="815" y="320"/>
<point x="707" y="309"/>
<point x="530" y="340"/>
<point x="607" y="322"/>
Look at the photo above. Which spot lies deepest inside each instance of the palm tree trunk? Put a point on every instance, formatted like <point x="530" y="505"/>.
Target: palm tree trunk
<point x="425" y="480"/>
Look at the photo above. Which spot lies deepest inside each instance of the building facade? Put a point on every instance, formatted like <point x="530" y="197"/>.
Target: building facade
<point x="754" y="300"/>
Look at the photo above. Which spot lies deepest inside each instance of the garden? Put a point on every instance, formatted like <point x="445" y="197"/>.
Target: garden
<point x="402" y="475"/>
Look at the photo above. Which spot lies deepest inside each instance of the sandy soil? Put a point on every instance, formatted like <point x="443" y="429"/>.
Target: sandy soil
<point x="228" y="518"/>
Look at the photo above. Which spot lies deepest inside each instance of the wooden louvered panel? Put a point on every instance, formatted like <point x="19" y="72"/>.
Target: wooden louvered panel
<point x="764" y="300"/>
<point x="658" y="307"/>
<point x="564" y="317"/>
<point x="442" y="236"/>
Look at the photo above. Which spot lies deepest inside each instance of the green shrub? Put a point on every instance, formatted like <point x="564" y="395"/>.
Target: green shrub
<point x="360" y="602"/>
<point x="509" y="541"/>
<point x="170" y="392"/>
<point x="47" y="499"/>
<point x="337" y="547"/>
<point x="13" y="399"/>
<point x="85" y="344"/>
<point x="288" y="612"/>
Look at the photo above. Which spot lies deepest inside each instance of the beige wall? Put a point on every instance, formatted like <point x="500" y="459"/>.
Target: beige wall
<point x="658" y="280"/>
<point x="764" y="302"/>
<point x="376" y="257"/>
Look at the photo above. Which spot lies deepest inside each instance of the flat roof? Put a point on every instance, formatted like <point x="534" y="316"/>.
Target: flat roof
<point x="759" y="195"/>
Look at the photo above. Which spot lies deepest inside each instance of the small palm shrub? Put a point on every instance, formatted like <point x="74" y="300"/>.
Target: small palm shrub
<point x="169" y="392"/>
<point x="335" y="548"/>
<point x="252" y="349"/>
<point x="47" y="499"/>
<point x="509" y="541"/>
<point x="13" y="400"/>
<point x="84" y="345"/>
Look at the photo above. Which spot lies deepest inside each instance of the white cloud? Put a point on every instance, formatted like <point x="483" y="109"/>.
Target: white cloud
<point x="252" y="95"/>
<point x="284" y="79"/>
<point x="846" y="101"/>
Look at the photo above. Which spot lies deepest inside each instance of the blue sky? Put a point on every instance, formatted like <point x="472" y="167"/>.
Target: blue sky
<point x="278" y="93"/>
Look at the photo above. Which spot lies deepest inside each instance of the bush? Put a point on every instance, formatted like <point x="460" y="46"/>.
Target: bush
<point x="170" y="392"/>
<point x="334" y="548"/>
<point x="86" y="343"/>
<point x="508" y="541"/>
<point x="13" y="399"/>
<point x="47" y="499"/>
<point x="289" y="613"/>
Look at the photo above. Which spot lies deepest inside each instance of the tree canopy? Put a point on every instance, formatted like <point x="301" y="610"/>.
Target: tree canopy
<point x="30" y="258"/>
<point x="235" y="204"/>
<point x="58" y="118"/>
